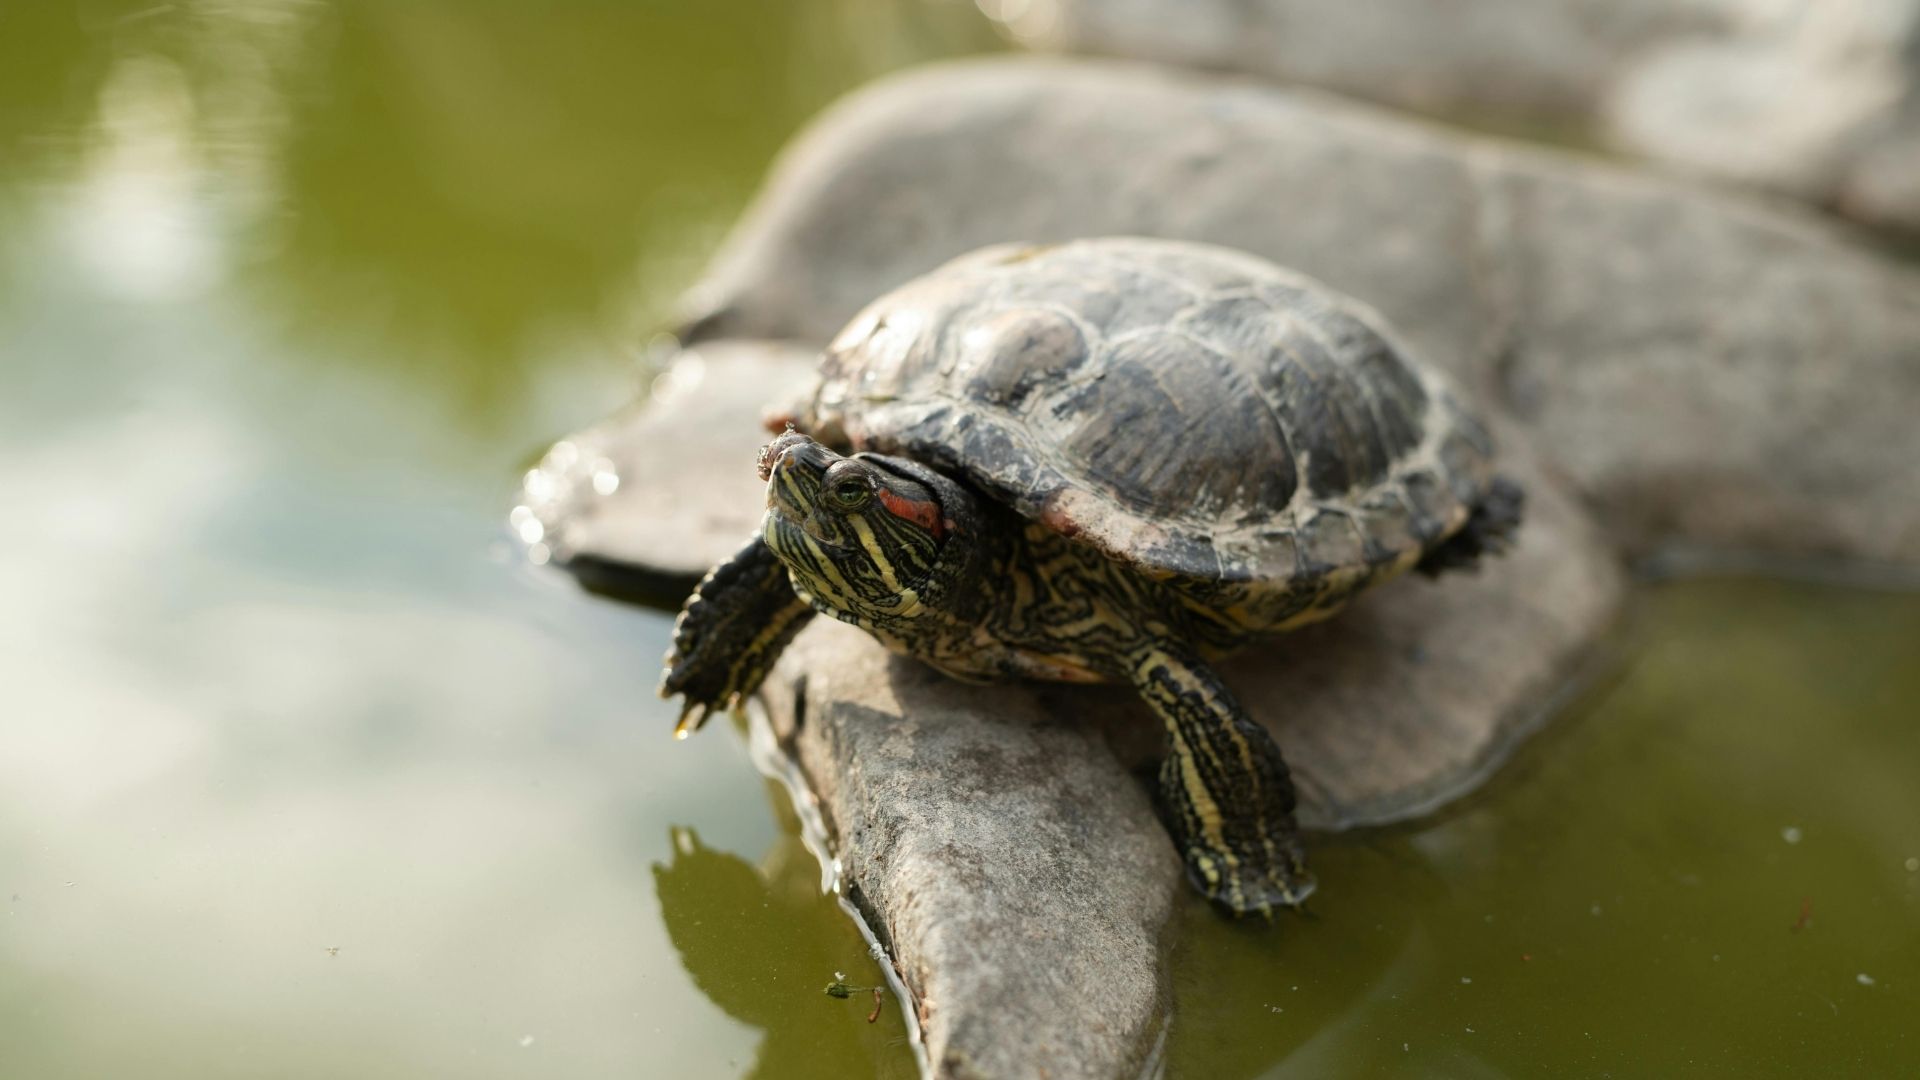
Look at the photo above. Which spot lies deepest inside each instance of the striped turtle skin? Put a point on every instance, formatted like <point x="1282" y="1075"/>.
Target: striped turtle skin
<point x="1107" y="460"/>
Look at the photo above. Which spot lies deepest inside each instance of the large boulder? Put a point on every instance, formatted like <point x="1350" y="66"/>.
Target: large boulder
<point x="1696" y="368"/>
<point x="1707" y="369"/>
<point x="1821" y="101"/>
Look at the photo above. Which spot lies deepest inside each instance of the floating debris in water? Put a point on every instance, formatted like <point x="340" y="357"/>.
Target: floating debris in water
<point x="1863" y="979"/>
<point x="1806" y="914"/>
<point x="1595" y="910"/>
<point x="1466" y="980"/>
<point x="1791" y="834"/>
<point x="526" y="1040"/>
<point x="838" y="988"/>
<point x="1913" y="865"/>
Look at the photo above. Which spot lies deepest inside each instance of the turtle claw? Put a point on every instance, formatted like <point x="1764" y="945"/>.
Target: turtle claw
<point x="729" y="634"/>
<point x="1244" y="891"/>
<point x="692" y="718"/>
<point x="675" y="674"/>
<point x="695" y="714"/>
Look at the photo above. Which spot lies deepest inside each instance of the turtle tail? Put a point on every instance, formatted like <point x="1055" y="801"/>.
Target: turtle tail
<point x="1489" y="530"/>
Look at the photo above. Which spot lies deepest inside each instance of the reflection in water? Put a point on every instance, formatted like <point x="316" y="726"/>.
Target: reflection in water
<point x="297" y="778"/>
<point x="763" y="945"/>
<point x="465" y="198"/>
<point x="135" y="223"/>
<point x="1251" y="994"/>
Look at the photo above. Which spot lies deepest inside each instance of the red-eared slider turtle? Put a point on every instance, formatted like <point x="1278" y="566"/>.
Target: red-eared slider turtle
<point x="1108" y="460"/>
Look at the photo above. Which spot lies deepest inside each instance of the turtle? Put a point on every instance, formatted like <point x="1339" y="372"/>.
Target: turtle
<point x="1107" y="460"/>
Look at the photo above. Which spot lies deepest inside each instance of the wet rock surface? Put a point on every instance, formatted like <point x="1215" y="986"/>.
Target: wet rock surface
<point x="1664" y="363"/>
<point x="1820" y="101"/>
<point x="645" y="503"/>
<point x="1707" y="369"/>
<point x="1012" y="866"/>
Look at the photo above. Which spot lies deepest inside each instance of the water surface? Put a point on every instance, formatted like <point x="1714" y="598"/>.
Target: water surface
<point x="1709" y="867"/>
<point x="301" y="775"/>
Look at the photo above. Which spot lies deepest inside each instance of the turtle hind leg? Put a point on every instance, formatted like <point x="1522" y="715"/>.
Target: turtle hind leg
<point x="1225" y="790"/>
<point x="732" y="629"/>
<point x="1489" y="530"/>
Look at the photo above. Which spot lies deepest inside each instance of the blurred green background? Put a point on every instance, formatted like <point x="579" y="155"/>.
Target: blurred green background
<point x="289" y="294"/>
<point x="303" y="775"/>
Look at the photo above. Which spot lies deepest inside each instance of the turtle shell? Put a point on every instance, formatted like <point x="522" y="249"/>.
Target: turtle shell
<point x="1197" y="412"/>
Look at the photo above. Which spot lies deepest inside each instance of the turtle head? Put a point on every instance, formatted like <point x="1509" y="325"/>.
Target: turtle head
<point x="862" y="535"/>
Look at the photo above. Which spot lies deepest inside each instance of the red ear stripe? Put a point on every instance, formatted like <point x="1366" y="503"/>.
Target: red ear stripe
<point x="922" y="512"/>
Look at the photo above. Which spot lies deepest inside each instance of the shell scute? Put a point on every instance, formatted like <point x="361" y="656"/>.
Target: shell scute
<point x="1009" y="354"/>
<point x="1174" y="430"/>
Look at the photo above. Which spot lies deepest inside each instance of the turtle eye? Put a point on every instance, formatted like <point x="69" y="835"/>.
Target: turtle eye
<point x="851" y="493"/>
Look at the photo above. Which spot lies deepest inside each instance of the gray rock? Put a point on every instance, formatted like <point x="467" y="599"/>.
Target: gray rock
<point x="1801" y="99"/>
<point x="1506" y="58"/>
<point x="1015" y="871"/>
<point x="645" y="503"/>
<point x="1708" y="370"/>
<point x="1797" y="98"/>
<point x="994" y="835"/>
<point x="1698" y="368"/>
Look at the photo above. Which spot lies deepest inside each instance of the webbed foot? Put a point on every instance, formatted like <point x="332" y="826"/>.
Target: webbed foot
<point x="1225" y="790"/>
<point x="1243" y="887"/>
<point x="729" y="634"/>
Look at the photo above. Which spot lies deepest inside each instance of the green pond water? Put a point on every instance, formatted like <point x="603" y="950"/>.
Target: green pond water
<point x="303" y="775"/>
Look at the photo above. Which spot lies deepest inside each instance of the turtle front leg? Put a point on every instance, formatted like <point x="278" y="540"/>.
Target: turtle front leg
<point x="1225" y="789"/>
<point x="730" y="632"/>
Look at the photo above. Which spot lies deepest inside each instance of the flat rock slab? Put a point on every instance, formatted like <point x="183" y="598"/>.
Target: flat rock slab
<point x="644" y="504"/>
<point x="1821" y="101"/>
<point x="997" y="837"/>
<point x="1708" y="370"/>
